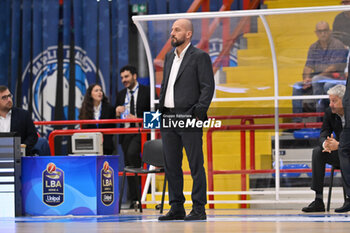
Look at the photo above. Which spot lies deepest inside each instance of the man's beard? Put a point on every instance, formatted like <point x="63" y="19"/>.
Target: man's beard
<point x="176" y="43"/>
<point x="6" y="108"/>
<point x="132" y="84"/>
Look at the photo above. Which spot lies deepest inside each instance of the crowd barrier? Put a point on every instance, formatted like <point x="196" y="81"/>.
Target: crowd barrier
<point x="243" y="127"/>
<point x="251" y="127"/>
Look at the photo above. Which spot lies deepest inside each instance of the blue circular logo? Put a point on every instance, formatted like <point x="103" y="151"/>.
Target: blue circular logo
<point x="44" y="71"/>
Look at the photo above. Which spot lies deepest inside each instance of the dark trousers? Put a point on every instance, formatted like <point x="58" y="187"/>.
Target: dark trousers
<point x="319" y="160"/>
<point x="344" y="157"/>
<point x="173" y="142"/>
<point x="131" y="145"/>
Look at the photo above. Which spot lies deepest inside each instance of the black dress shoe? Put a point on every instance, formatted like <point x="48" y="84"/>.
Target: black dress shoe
<point x="173" y="215"/>
<point x="196" y="216"/>
<point x="134" y="205"/>
<point x="344" y="208"/>
<point x="316" y="206"/>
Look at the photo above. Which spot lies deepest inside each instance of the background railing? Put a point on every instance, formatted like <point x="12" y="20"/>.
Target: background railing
<point x="242" y="127"/>
<point x="278" y="91"/>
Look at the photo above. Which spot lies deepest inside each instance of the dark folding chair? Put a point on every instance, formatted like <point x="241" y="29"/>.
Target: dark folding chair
<point x="152" y="155"/>
<point x="331" y="186"/>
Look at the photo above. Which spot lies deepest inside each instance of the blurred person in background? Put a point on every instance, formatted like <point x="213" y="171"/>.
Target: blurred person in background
<point x="95" y="106"/>
<point x="341" y="25"/>
<point x="324" y="68"/>
<point x="132" y="102"/>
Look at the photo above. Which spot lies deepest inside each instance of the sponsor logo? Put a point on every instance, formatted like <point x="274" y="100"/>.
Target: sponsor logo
<point x="107" y="182"/>
<point x="155" y="120"/>
<point x="169" y="122"/>
<point x="151" y="120"/>
<point x="184" y="121"/>
<point x="53" y="185"/>
<point x="44" y="75"/>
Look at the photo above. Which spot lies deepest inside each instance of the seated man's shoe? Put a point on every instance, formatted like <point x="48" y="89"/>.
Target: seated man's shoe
<point x="134" y="205"/>
<point x="173" y="215"/>
<point x="316" y="206"/>
<point x="344" y="208"/>
<point x="194" y="215"/>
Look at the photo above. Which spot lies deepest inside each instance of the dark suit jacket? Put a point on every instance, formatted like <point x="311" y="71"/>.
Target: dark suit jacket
<point x="346" y="101"/>
<point x="22" y="123"/>
<point x="194" y="84"/>
<point x="331" y="123"/>
<point x="142" y="102"/>
<point x="107" y="112"/>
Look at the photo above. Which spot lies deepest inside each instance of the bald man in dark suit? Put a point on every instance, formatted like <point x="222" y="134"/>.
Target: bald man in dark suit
<point x="187" y="90"/>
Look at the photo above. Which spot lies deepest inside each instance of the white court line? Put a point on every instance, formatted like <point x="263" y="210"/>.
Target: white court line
<point x="210" y="218"/>
<point x="272" y="218"/>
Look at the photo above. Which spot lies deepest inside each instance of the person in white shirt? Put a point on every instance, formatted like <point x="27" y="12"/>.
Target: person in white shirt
<point x="95" y="106"/>
<point x="13" y="119"/>
<point x="132" y="102"/>
<point x="187" y="90"/>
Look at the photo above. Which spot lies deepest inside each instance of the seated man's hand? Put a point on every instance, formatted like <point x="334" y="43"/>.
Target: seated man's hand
<point x="330" y="144"/>
<point x="307" y="82"/>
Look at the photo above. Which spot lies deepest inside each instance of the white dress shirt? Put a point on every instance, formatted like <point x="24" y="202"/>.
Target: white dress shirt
<point x="169" y="95"/>
<point x="5" y="123"/>
<point x="342" y="120"/>
<point x="97" y="111"/>
<point x="128" y="99"/>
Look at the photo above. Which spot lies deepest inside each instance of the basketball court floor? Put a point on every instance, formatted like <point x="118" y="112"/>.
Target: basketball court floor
<point x="241" y="220"/>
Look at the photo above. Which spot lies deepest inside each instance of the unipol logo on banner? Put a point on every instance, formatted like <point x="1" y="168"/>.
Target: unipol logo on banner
<point x="44" y="70"/>
<point x="53" y="185"/>
<point x="107" y="183"/>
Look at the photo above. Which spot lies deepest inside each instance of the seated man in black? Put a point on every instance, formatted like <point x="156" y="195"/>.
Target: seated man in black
<point x="327" y="151"/>
<point x="18" y="120"/>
